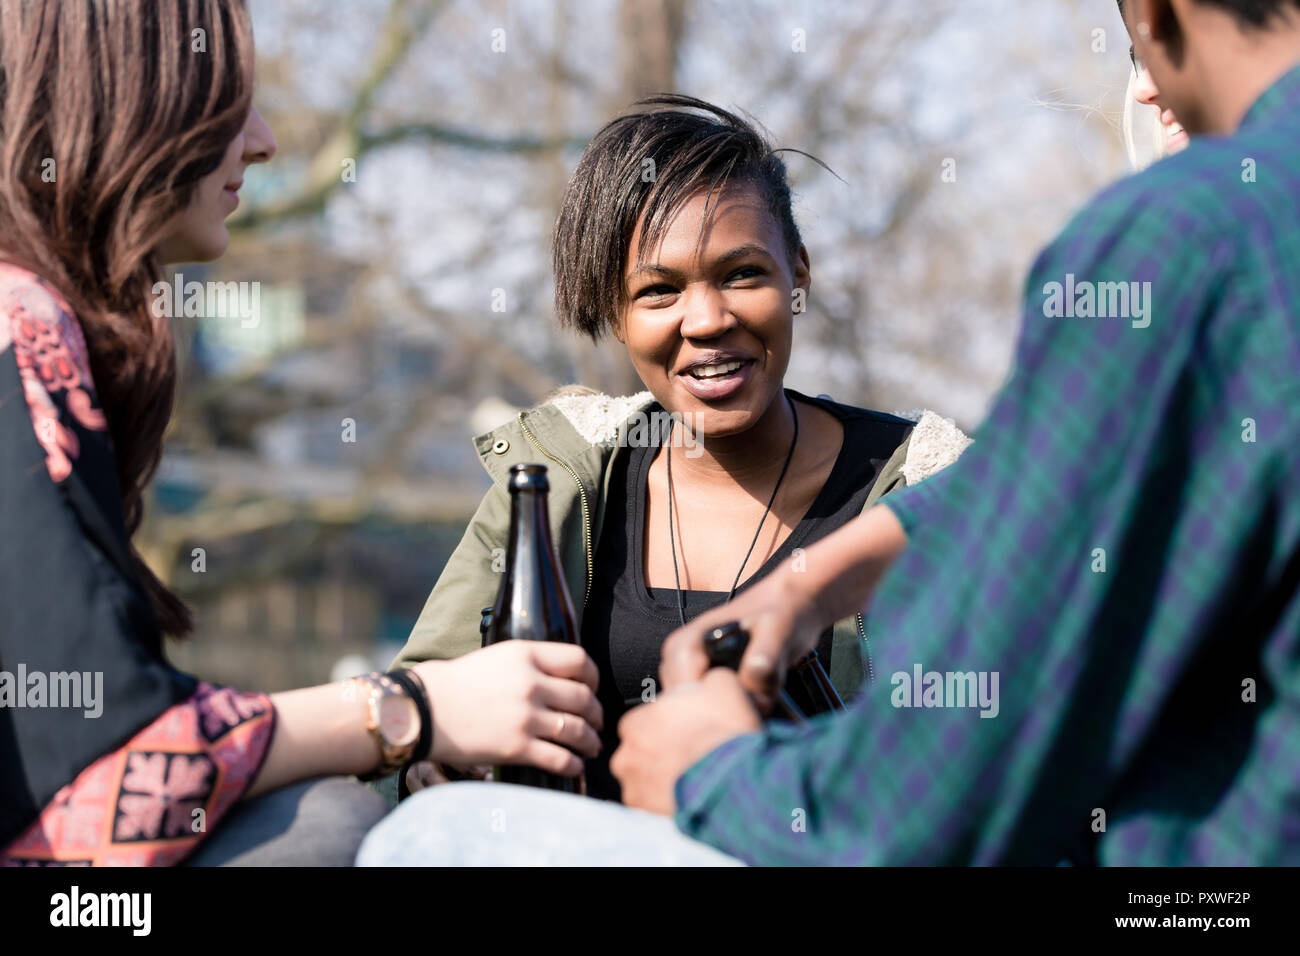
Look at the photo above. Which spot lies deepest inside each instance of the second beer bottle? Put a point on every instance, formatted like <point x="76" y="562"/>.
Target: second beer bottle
<point x="533" y="603"/>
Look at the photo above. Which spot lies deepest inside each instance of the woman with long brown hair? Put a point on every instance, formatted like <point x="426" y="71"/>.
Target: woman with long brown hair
<point x="125" y="130"/>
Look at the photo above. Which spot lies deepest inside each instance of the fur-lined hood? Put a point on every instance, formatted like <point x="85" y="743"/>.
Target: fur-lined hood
<point x="935" y="444"/>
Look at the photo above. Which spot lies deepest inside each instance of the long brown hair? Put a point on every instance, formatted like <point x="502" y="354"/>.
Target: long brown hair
<point x="134" y="101"/>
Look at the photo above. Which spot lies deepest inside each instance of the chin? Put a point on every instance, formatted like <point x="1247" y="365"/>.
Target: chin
<point x="196" y="248"/>
<point x="214" y="248"/>
<point x="722" y="423"/>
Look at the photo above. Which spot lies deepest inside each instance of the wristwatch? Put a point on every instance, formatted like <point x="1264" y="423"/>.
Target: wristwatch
<point x="393" y="719"/>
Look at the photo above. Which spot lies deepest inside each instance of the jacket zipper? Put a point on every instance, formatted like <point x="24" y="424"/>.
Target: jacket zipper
<point x="582" y="501"/>
<point x="862" y="629"/>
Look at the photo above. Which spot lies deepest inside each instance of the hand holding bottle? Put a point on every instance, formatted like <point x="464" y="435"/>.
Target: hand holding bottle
<point x="518" y="702"/>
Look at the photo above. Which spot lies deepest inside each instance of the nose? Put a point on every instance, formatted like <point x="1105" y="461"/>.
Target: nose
<point x="705" y="314"/>
<point x="259" y="141"/>
<point x="1145" y="90"/>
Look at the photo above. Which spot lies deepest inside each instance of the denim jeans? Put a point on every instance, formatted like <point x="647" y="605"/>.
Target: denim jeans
<point x="497" y="824"/>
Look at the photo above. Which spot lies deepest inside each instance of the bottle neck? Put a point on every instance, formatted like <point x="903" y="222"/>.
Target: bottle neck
<point x="530" y="526"/>
<point x="532" y="602"/>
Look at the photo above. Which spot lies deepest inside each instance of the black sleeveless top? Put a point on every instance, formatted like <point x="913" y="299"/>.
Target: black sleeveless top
<point x="625" y="622"/>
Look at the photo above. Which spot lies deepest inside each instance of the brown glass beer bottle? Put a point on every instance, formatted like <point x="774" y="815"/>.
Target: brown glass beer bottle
<point x="533" y="603"/>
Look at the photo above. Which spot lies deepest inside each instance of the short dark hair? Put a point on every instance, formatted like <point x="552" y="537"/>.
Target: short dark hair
<point x="1255" y="13"/>
<point x="685" y="144"/>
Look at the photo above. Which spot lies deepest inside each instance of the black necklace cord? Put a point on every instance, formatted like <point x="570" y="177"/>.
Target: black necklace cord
<point x="672" y="534"/>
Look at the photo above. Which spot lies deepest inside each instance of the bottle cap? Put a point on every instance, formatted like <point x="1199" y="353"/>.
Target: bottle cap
<point x="528" y="477"/>
<point x="725" y="645"/>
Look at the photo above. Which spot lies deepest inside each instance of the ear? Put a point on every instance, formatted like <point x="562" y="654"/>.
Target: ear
<point x="803" y="271"/>
<point x="616" y="327"/>
<point x="1155" y="24"/>
<point x="1135" y="12"/>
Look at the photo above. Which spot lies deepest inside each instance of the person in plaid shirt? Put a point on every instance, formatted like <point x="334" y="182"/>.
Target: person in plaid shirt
<point x="1088" y="640"/>
<point x="1121" y="545"/>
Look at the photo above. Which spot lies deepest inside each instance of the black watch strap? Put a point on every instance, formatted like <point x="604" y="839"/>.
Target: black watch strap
<point x="414" y="687"/>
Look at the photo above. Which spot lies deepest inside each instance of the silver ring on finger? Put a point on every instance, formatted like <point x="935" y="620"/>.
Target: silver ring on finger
<point x="560" y="730"/>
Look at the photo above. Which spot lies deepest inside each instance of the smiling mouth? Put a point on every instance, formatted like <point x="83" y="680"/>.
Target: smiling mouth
<point x="717" y="371"/>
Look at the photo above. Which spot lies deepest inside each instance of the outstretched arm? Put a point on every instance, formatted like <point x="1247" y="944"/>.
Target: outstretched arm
<point x="786" y="612"/>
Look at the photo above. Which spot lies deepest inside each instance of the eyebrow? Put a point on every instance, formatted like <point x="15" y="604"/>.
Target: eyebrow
<point x="740" y="252"/>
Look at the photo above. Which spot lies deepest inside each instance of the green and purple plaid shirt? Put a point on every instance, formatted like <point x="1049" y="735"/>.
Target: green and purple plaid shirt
<point x="1119" y="549"/>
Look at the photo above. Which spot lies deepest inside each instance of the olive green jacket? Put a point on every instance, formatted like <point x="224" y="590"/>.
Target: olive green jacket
<point x="577" y="434"/>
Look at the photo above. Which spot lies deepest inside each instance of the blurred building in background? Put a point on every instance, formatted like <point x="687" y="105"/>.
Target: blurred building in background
<point x="320" y="468"/>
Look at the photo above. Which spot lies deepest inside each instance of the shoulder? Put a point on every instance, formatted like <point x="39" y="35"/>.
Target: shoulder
<point x="935" y="443"/>
<point x="32" y="312"/>
<point x="1198" y="248"/>
<point x="595" y="416"/>
<point x="49" y="349"/>
<point x="855" y="413"/>
<point x="573" y="419"/>
<point x="574" y="424"/>
<point x="1205" y="200"/>
<point x="43" y="330"/>
<point x="918" y="443"/>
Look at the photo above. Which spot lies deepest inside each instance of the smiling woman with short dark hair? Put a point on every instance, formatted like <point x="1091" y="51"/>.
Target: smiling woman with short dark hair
<point x="676" y="237"/>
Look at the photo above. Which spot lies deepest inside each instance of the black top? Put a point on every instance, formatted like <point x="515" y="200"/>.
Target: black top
<point x="625" y="623"/>
<point x="70" y="599"/>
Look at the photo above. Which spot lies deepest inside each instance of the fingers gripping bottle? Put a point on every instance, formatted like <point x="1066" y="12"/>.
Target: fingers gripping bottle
<point x="533" y="603"/>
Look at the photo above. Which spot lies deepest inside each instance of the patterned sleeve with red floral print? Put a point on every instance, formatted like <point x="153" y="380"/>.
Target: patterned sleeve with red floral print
<point x="51" y="354"/>
<point x="152" y="801"/>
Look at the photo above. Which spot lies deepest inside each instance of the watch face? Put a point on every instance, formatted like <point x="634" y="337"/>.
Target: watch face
<point x="399" y="721"/>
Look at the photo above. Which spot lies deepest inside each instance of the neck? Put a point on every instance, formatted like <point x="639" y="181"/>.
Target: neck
<point x="1236" y="72"/>
<point x="755" y="453"/>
